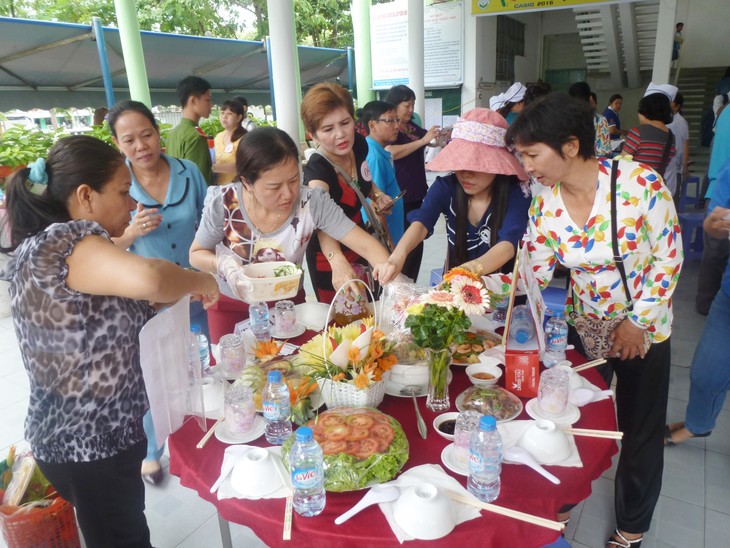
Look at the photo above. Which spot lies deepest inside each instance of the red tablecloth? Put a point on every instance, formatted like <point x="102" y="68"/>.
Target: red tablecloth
<point x="522" y="488"/>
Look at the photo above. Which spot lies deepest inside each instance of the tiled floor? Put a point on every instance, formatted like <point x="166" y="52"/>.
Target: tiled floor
<point x="693" y="511"/>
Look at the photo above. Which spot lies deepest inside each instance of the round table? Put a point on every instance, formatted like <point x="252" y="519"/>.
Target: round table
<point x="522" y="488"/>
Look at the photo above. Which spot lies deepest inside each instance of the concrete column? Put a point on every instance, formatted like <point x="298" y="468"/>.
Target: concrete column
<point x="360" y="10"/>
<point x="415" y="54"/>
<point x="285" y="68"/>
<point x="139" y="88"/>
<point x="664" y="40"/>
<point x="610" y="31"/>
<point x="631" y="48"/>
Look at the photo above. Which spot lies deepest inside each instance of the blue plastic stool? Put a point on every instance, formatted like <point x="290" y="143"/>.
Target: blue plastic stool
<point x="691" y="224"/>
<point x="437" y="276"/>
<point x="685" y="198"/>
<point x="554" y="297"/>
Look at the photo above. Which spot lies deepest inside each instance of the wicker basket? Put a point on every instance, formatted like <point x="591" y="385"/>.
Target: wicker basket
<point x="51" y="527"/>
<point x="339" y="394"/>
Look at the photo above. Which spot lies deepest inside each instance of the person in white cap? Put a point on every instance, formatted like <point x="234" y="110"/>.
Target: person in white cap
<point x="510" y="103"/>
<point x="652" y="143"/>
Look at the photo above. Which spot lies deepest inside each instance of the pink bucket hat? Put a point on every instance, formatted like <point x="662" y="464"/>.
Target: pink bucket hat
<point x="477" y="144"/>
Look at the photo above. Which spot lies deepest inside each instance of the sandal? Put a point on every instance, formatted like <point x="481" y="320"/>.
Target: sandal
<point x="622" y="541"/>
<point x="671" y="429"/>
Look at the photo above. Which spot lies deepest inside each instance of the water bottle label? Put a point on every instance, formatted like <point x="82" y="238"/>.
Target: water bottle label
<point x="271" y="410"/>
<point x="305" y="478"/>
<point x="475" y="462"/>
<point x="556" y="341"/>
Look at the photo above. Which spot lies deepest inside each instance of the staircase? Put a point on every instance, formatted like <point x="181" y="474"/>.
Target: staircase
<point x="698" y="87"/>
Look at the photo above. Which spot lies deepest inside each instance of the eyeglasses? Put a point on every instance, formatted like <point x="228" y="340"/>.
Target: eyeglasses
<point x="388" y="120"/>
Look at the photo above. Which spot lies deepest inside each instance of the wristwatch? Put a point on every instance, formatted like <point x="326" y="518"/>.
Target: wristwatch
<point x="332" y="254"/>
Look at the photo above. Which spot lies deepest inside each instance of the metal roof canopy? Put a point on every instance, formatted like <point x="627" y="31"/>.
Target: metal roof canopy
<point x="46" y="64"/>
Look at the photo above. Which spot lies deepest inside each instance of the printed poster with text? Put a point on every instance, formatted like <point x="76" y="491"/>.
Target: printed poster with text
<point x="443" y="44"/>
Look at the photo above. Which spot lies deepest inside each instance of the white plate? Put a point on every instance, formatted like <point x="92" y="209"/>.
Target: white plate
<point x="568" y="417"/>
<point x="460" y="404"/>
<point x="447" y="457"/>
<point x="221" y="432"/>
<point x="298" y="330"/>
<point x="394" y="388"/>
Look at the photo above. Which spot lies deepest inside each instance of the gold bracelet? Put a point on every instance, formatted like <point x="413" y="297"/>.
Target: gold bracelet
<point x="377" y="195"/>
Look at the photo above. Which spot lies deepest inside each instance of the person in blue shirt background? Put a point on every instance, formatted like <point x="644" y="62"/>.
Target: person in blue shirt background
<point x="483" y="202"/>
<point x="381" y="123"/>
<point x="169" y="193"/>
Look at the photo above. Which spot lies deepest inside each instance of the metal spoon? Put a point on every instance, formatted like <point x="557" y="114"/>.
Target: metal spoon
<point x="376" y="495"/>
<point x="413" y="391"/>
<point x="518" y="454"/>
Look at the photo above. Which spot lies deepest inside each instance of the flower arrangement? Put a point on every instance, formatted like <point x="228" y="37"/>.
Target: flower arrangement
<point x="439" y="319"/>
<point x="357" y="354"/>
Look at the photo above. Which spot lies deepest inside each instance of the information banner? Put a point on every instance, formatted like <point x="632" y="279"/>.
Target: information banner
<point x="443" y="44"/>
<point x="502" y="7"/>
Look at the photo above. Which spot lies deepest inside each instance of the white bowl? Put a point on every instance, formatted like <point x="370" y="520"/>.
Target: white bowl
<point x="485" y="368"/>
<point x="269" y="287"/>
<point x="451" y="416"/>
<point x="255" y="474"/>
<point x="424" y="512"/>
<point x="409" y="375"/>
<point x="546" y="442"/>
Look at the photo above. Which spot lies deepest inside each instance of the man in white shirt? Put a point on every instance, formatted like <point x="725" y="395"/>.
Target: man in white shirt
<point x="677" y="169"/>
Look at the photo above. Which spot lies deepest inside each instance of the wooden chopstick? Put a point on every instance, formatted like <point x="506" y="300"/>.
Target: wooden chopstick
<point x="289" y="508"/>
<point x="609" y="434"/>
<point x="535" y="520"/>
<point x="208" y="434"/>
<point x="590" y="364"/>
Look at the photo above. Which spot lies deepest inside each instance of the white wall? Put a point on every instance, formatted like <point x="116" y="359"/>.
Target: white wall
<point x="706" y="28"/>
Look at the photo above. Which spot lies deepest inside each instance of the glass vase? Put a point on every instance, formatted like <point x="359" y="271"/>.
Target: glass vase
<point x="438" y="386"/>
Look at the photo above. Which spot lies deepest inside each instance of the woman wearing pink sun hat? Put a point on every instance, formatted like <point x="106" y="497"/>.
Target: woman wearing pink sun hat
<point x="482" y="199"/>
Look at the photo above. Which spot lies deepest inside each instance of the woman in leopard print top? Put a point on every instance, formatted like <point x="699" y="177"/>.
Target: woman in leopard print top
<point x="78" y="304"/>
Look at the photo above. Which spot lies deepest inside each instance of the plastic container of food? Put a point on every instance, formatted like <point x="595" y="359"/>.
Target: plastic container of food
<point x="273" y="281"/>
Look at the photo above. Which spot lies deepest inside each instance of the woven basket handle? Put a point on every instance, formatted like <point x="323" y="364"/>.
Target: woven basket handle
<point x="329" y="312"/>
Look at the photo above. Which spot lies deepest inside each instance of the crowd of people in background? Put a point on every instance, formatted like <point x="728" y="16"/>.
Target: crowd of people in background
<point x="129" y="232"/>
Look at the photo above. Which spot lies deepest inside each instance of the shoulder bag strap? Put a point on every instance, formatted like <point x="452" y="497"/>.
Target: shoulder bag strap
<point x="374" y="221"/>
<point x="665" y="154"/>
<point x="617" y="258"/>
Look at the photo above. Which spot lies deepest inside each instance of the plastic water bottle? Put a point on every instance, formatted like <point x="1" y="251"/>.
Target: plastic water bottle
<point x="203" y="349"/>
<point x="258" y="314"/>
<point x="521" y="328"/>
<point x="485" y="461"/>
<point x="277" y="409"/>
<point x="307" y="474"/>
<point x="556" y="339"/>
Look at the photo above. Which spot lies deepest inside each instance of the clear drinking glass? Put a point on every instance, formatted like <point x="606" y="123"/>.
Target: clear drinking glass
<point x="466" y="423"/>
<point x="552" y="394"/>
<point x="285" y="319"/>
<point x="239" y="409"/>
<point x="233" y="355"/>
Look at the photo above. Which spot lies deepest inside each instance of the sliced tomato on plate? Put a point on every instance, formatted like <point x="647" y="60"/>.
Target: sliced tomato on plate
<point x="333" y="447"/>
<point x="336" y="432"/>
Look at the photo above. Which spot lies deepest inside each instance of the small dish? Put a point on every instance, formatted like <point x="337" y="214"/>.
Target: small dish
<point x="544" y="441"/>
<point x="447" y="458"/>
<point x="568" y="417"/>
<point x="490" y="400"/>
<point x="490" y="371"/>
<point x="298" y="330"/>
<point x="424" y="512"/>
<point x="442" y="418"/>
<point x="223" y="435"/>
<point x="255" y="473"/>
<point x="272" y="280"/>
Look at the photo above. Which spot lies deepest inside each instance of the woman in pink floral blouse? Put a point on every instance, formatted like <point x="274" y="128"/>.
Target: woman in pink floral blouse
<point x="570" y="224"/>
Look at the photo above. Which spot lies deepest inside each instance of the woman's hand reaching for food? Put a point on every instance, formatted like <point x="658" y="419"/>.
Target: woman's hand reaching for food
<point x="208" y="292"/>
